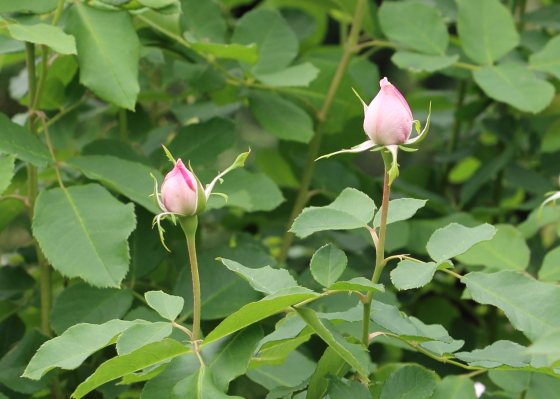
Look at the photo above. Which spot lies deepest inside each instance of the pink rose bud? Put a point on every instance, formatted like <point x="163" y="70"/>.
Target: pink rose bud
<point x="388" y="119"/>
<point x="181" y="191"/>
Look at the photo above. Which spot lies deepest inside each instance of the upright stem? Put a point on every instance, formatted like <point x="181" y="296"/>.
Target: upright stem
<point x="380" y="248"/>
<point x="32" y="192"/>
<point x="302" y="197"/>
<point x="189" y="225"/>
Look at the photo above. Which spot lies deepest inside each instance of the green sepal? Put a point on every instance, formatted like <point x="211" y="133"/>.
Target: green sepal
<point x="238" y="163"/>
<point x="169" y="156"/>
<point x="408" y="149"/>
<point x="156" y="196"/>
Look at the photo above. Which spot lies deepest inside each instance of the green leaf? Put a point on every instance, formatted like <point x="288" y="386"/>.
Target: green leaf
<point x="414" y="24"/>
<point x="85" y="223"/>
<point x="276" y="42"/>
<point x="251" y="192"/>
<point x="357" y="284"/>
<point x="282" y="391"/>
<point x="409" y="328"/>
<point x="409" y="274"/>
<point x="327" y="264"/>
<point x="120" y="366"/>
<point x="74" y="346"/>
<point x="550" y="269"/>
<point x="548" y="59"/>
<point x="19" y="141"/>
<point x="497" y="354"/>
<point x="41" y="7"/>
<point x="82" y="303"/>
<point x="264" y="279"/>
<point x="204" y="21"/>
<point x="142" y="334"/>
<point x="293" y="371"/>
<point x="486" y="29"/>
<point x="422" y="62"/>
<point x="162" y="385"/>
<point x="146" y="251"/>
<point x="454" y="387"/>
<point x="281" y="117"/>
<point x="275" y="166"/>
<point x="455" y="239"/>
<point x="128" y="178"/>
<point x="515" y="85"/>
<point x="256" y="311"/>
<point x="349" y="389"/>
<point x="330" y="363"/>
<point x="6" y="171"/>
<point x="107" y="41"/>
<point x="13" y="364"/>
<point x="275" y="353"/>
<point x="234" y="51"/>
<point x="514" y="293"/>
<point x="548" y="345"/>
<point x="233" y="356"/>
<point x="201" y="143"/>
<point x="400" y="209"/>
<point x="48" y="35"/>
<point x="350" y="210"/>
<point x="409" y="382"/>
<point x="353" y="354"/>
<point x="168" y="306"/>
<point x="511" y="380"/>
<point x="199" y="385"/>
<point x="156" y="3"/>
<point x="506" y="250"/>
<point x="297" y="75"/>
<point x="14" y="281"/>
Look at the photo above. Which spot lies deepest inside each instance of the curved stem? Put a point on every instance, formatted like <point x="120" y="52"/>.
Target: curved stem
<point x="301" y="199"/>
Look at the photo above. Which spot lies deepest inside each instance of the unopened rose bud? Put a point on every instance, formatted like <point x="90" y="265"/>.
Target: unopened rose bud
<point x="388" y="119"/>
<point x="181" y="192"/>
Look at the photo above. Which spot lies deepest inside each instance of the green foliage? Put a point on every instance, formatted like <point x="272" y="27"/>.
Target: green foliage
<point x="513" y="292"/>
<point x="352" y="209"/>
<point x="293" y="286"/>
<point x="409" y="382"/>
<point x="328" y="264"/>
<point x="168" y="306"/>
<point x="74" y="223"/>
<point x="18" y="141"/>
<point x="95" y="31"/>
<point x="82" y="303"/>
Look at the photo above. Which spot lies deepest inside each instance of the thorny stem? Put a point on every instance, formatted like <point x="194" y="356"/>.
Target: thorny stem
<point x="380" y="247"/>
<point x="313" y="151"/>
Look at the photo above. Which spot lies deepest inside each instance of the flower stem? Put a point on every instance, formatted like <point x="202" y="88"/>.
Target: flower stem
<point x="189" y="225"/>
<point x="313" y="151"/>
<point x="380" y="249"/>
